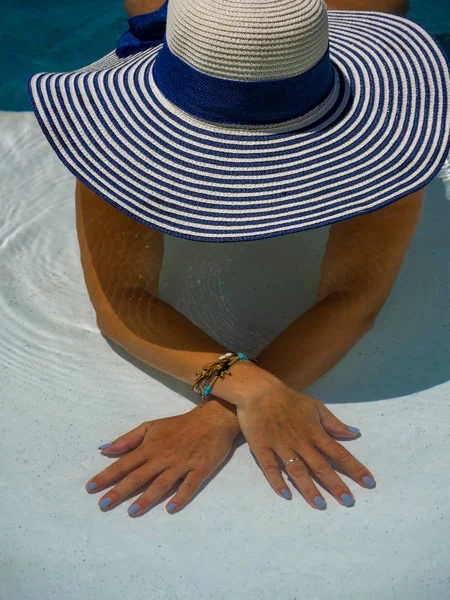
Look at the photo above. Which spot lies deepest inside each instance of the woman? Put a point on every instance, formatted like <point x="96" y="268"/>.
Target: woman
<point x="121" y="259"/>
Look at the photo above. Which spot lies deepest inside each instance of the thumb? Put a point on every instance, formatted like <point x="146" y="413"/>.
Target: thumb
<point x="128" y="441"/>
<point x="332" y="425"/>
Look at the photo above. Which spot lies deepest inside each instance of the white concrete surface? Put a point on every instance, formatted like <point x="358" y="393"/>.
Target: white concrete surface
<point x="64" y="390"/>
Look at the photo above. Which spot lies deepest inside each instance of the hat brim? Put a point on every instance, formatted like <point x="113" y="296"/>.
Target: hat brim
<point x="383" y="133"/>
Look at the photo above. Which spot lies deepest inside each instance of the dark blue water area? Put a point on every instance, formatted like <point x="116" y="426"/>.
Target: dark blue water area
<point x="55" y="36"/>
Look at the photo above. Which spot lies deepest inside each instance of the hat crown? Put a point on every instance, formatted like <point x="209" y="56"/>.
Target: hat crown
<point x="248" y="40"/>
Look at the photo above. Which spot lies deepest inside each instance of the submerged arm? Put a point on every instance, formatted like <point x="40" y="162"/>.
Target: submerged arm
<point x="361" y="263"/>
<point x="121" y="260"/>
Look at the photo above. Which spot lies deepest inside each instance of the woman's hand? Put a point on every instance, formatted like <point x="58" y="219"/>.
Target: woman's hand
<point x="190" y="446"/>
<point x="277" y="420"/>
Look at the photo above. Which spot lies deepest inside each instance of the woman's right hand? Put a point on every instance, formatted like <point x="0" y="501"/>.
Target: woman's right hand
<point x="277" y="420"/>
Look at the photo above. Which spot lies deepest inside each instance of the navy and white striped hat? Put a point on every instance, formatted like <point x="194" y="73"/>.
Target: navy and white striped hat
<point x="248" y="119"/>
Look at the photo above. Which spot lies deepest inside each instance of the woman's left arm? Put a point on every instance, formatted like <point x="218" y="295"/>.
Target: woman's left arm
<point x="361" y="263"/>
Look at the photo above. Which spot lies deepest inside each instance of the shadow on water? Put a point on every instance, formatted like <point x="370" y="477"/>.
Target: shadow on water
<point x="244" y="294"/>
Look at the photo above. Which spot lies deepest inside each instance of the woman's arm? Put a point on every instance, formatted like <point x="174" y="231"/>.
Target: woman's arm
<point x="362" y="260"/>
<point x="140" y="7"/>
<point x="399" y="7"/>
<point x="361" y="263"/>
<point x="121" y="260"/>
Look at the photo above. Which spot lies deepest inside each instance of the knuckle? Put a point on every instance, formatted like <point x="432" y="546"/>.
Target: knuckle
<point x="270" y="468"/>
<point x="162" y="485"/>
<point x="322" y="468"/>
<point x="345" y="458"/>
<point x="316" y="430"/>
<point x="342" y="455"/>
<point x="117" y="470"/>
<point x="136" y="479"/>
<point x="296" y="469"/>
<point x="141" y="451"/>
<point x="189" y="487"/>
<point x="304" y="445"/>
<point x="201" y="463"/>
<point x="333" y="449"/>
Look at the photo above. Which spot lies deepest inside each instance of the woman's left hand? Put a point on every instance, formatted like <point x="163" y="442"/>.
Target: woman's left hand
<point x="190" y="446"/>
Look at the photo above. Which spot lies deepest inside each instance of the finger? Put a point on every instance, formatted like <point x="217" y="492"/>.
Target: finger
<point x="119" y="469"/>
<point x="298" y="472"/>
<point x="129" y="484"/>
<point x="332" y="425"/>
<point x="132" y="439"/>
<point x="157" y="489"/>
<point x="268" y="463"/>
<point x="346" y="460"/>
<point x="327" y="475"/>
<point x="189" y="487"/>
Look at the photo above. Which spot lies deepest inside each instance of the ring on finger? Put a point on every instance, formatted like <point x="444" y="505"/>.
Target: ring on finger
<point x="288" y="462"/>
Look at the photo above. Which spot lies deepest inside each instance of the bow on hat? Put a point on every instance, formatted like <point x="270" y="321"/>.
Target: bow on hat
<point x="145" y="31"/>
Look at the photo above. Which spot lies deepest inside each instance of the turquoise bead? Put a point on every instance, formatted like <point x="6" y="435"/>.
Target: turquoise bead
<point x="240" y="355"/>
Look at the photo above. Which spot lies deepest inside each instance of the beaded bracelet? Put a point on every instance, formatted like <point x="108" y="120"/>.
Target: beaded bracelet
<point x="211" y="372"/>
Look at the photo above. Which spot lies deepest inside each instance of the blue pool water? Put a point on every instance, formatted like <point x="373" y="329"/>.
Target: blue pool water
<point x="66" y="388"/>
<point x="63" y="36"/>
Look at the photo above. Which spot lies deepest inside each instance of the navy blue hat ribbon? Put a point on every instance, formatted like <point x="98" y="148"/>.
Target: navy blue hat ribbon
<point x="242" y="102"/>
<point x="222" y="100"/>
<point x="145" y="31"/>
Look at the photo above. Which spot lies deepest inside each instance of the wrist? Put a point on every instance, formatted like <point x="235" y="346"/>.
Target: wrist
<point x="246" y="382"/>
<point x="219" y="412"/>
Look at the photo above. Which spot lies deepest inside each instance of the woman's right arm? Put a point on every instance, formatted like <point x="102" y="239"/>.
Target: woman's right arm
<point x="121" y="260"/>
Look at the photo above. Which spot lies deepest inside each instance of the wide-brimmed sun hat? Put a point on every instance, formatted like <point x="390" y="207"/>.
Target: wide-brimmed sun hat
<point x="236" y="120"/>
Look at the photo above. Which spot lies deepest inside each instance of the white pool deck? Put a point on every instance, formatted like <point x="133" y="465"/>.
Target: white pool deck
<point x="64" y="390"/>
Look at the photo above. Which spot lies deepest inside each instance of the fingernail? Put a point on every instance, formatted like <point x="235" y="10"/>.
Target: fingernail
<point x="133" y="509"/>
<point x="347" y="500"/>
<point x="105" y="446"/>
<point x="104" y="503"/>
<point x="368" y="481"/>
<point x="353" y="429"/>
<point x="91" y="487"/>
<point x="286" y="494"/>
<point x="320" y="502"/>
<point x="171" y="507"/>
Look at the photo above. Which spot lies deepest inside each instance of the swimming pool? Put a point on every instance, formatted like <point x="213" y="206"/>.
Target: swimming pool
<point x="65" y="389"/>
<point x="67" y="36"/>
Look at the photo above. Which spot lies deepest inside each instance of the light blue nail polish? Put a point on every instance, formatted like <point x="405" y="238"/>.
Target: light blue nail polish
<point x="320" y="502"/>
<point x="105" y="446"/>
<point x="347" y="500"/>
<point x="91" y="487"/>
<point x="353" y="429"/>
<point x="104" y="503"/>
<point x="171" y="507"/>
<point x="368" y="481"/>
<point x="286" y="494"/>
<point x="133" y="509"/>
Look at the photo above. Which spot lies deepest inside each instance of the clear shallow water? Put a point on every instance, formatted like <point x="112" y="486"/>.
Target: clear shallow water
<point x="48" y="35"/>
<point x="65" y="389"/>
